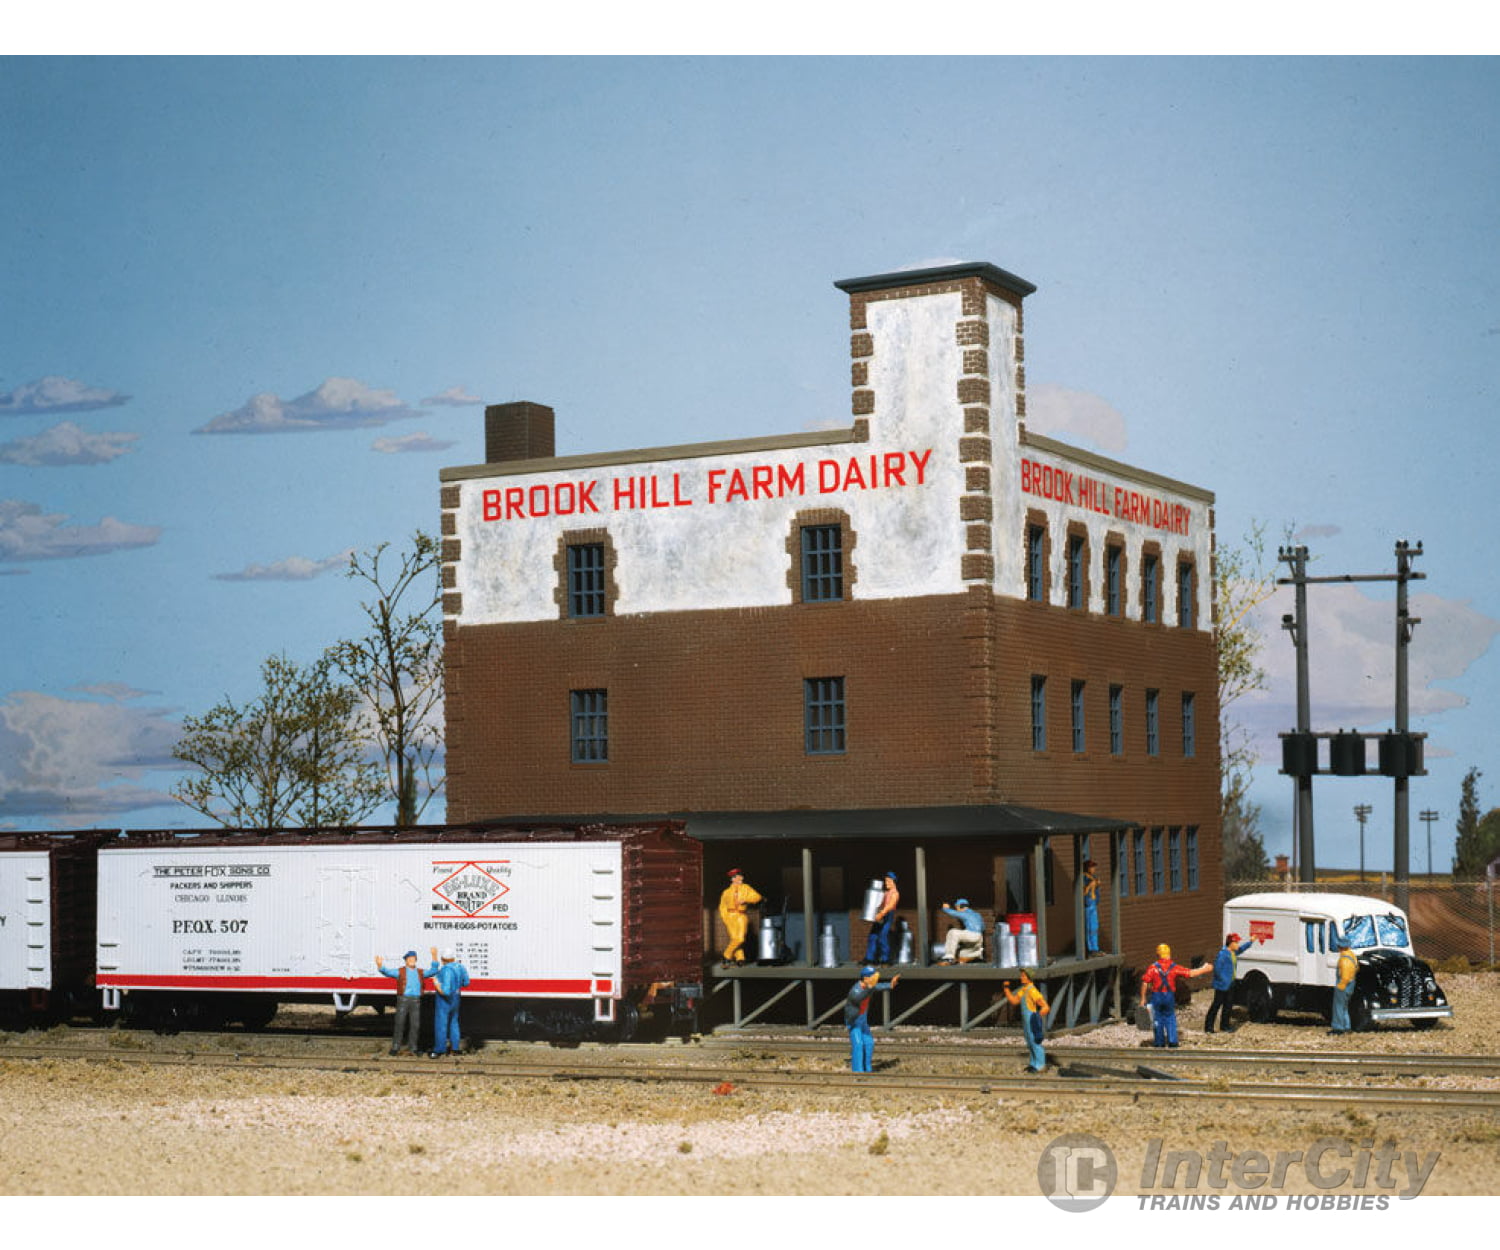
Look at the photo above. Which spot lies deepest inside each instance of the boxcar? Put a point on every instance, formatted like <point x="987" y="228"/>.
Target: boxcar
<point x="565" y="930"/>
<point x="46" y="926"/>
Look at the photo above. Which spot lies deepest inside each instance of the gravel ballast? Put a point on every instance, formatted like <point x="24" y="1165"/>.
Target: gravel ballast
<point x="110" y="1127"/>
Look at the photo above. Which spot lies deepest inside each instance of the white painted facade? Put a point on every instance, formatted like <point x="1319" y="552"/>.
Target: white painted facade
<point x="686" y="539"/>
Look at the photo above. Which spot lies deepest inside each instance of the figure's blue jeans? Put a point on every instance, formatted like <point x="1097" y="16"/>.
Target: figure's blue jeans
<point x="1163" y="1018"/>
<point x="445" y="1026"/>
<point x="1340" y="1021"/>
<point x="861" y="1047"/>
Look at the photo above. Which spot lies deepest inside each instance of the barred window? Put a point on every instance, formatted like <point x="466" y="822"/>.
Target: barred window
<point x="1185" y="589"/>
<point x="1140" y="861"/>
<point x="1116" y="720"/>
<point x="1114" y="569"/>
<point x="1157" y="878"/>
<point x="1174" y="857"/>
<point x="823" y="715"/>
<point x="822" y="563"/>
<point x="1189" y="725"/>
<point x="1075" y="571"/>
<point x="1038" y="713"/>
<point x="1150" y="566"/>
<point x="585" y="579"/>
<point x="1036" y="540"/>
<point x="1192" y="859"/>
<point x="590" y="726"/>
<point x="1078" y="730"/>
<point x="1153" y="722"/>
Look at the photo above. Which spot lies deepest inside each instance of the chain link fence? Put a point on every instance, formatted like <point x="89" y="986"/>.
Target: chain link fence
<point x="1450" y="920"/>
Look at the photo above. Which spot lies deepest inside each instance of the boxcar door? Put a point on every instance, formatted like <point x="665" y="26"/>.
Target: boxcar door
<point x="346" y="919"/>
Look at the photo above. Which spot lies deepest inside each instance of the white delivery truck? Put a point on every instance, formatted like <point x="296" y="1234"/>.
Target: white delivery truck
<point x="1293" y="964"/>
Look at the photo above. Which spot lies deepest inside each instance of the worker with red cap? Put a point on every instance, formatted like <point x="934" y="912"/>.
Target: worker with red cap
<point x="1160" y="986"/>
<point x="1224" y="965"/>
<point x="732" y="903"/>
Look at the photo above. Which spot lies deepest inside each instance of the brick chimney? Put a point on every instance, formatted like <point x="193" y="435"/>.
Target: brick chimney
<point x="519" y="431"/>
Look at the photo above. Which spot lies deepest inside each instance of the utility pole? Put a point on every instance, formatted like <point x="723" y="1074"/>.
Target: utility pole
<point x="1427" y="817"/>
<point x="1361" y="814"/>
<point x="1405" y="626"/>
<point x="1296" y="625"/>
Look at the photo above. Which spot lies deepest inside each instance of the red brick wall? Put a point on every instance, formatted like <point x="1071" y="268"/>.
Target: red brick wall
<point x="706" y="714"/>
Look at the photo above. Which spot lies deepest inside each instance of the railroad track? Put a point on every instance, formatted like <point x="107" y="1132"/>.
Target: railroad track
<point x="1100" y="1084"/>
<point x="1360" y="1062"/>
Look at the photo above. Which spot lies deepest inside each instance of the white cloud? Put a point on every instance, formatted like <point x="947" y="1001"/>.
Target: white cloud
<point x="57" y="394"/>
<point x="453" y="397"/>
<point x="292" y="569"/>
<point x="412" y="442"/>
<point x="27" y="533"/>
<point x="1055" y="410"/>
<point x="71" y="761"/>
<point x="66" y="444"/>
<point x="1317" y="531"/>
<point x="1352" y="657"/>
<point x="337" y="404"/>
<point x="117" y="691"/>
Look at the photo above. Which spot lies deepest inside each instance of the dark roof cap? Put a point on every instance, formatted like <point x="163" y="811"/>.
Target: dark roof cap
<point x="943" y="273"/>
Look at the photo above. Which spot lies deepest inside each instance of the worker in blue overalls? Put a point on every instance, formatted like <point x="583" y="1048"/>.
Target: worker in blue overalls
<point x="1090" y="908"/>
<point x="1033" y="1026"/>
<point x="1224" y="965"/>
<point x="857" y="1016"/>
<point x="878" y="946"/>
<point x="1159" y="985"/>
<point x="1343" y="990"/>
<point x="449" y="979"/>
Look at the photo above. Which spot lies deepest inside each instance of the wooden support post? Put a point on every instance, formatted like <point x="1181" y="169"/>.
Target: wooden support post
<point x="1118" y="864"/>
<point x="924" y="945"/>
<point x="1080" y="942"/>
<point x="809" y="923"/>
<point x="1039" y="898"/>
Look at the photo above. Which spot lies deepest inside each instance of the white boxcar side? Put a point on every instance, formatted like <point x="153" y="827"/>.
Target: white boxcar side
<point x="528" y="919"/>
<point x="25" y="920"/>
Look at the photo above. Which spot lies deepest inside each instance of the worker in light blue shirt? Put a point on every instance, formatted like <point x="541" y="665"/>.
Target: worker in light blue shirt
<point x="967" y="941"/>
<point x="408" y="978"/>
<point x="449" y="979"/>
<point x="1224" y="966"/>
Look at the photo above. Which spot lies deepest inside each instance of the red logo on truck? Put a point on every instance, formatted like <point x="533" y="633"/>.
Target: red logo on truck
<point x="1262" y="930"/>
<point x="471" y="890"/>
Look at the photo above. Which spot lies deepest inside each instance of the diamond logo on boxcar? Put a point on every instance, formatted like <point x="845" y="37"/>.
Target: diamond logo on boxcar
<point x="471" y="890"/>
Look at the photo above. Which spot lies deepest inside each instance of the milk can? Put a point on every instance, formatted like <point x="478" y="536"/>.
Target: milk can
<point x="770" y="939"/>
<point x="873" y="895"/>
<point x="1026" y="946"/>
<point x="906" y="952"/>
<point x="1005" y="945"/>
<point x="828" y="947"/>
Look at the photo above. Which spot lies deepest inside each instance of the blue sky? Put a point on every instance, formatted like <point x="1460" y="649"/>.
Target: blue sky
<point x="251" y="307"/>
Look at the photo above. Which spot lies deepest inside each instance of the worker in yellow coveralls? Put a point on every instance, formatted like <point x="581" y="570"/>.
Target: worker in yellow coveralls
<point x="732" y="903"/>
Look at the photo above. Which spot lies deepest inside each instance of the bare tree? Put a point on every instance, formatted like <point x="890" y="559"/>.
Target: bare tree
<point x="397" y="667"/>
<point x="292" y="756"/>
<point x="1241" y="583"/>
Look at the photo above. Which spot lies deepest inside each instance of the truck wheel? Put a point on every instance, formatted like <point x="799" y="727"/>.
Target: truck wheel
<point x="1359" y="1014"/>
<point x="1260" y="1002"/>
<point x="1428" y="1023"/>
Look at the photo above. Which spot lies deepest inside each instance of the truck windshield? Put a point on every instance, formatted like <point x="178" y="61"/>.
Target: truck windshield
<point x="1366" y="931"/>
<point x="1392" y="930"/>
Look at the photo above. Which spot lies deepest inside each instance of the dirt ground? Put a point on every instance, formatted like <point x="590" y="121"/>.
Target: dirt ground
<point x="112" y="1128"/>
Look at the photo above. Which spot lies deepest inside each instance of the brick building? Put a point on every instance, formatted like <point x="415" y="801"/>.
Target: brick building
<point x="932" y="638"/>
